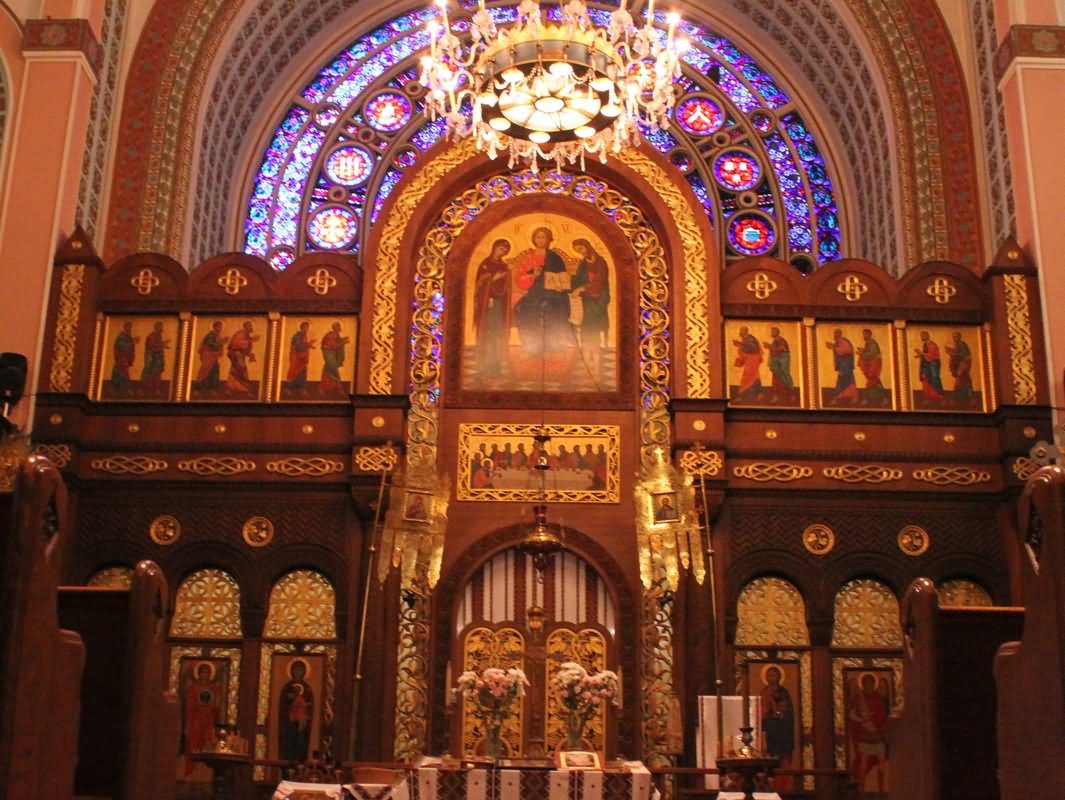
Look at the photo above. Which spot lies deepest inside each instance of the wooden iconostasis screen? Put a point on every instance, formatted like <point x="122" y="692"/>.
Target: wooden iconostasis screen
<point x="492" y="630"/>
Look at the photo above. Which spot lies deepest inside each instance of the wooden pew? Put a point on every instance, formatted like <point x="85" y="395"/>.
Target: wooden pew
<point x="943" y="746"/>
<point x="40" y="665"/>
<point x="130" y="726"/>
<point x="1031" y="672"/>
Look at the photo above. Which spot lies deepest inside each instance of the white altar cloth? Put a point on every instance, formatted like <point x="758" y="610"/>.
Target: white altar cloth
<point x="706" y="729"/>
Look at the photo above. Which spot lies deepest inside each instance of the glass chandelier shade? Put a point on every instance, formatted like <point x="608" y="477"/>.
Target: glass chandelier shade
<point x="557" y="91"/>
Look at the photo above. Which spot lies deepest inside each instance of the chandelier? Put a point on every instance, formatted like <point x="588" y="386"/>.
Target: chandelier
<point x="553" y="90"/>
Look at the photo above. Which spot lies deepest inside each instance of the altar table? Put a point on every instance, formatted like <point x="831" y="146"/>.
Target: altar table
<point x="432" y="783"/>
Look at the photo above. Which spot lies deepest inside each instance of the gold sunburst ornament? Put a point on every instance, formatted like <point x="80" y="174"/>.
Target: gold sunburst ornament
<point x="552" y="84"/>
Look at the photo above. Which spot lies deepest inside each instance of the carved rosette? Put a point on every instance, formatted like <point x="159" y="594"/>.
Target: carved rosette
<point x="258" y="531"/>
<point x="913" y="540"/>
<point x="164" y="530"/>
<point x="819" y="539"/>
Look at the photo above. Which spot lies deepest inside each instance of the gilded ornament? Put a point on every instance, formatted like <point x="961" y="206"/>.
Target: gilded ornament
<point x="412" y="678"/>
<point x="164" y="530"/>
<point x="207" y="606"/>
<point x="133" y="427"/>
<point x="819" y="539"/>
<point x="669" y="535"/>
<point x="588" y="648"/>
<point x="322" y="281"/>
<point x="302" y="606"/>
<point x="1029" y="432"/>
<point x="144" y="281"/>
<point x="1024" y="467"/>
<point x="307" y="429"/>
<point x="942" y="290"/>
<point x="232" y="281"/>
<point x="381" y="458"/>
<point x="216" y="466"/>
<point x="316" y="467"/>
<point x="116" y="577"/>
<point x="761" y="286"/>
<point x="949" y="438"/>
<point x="701" y="462"/>
<point x="699" y="425"/>
<point x="764" y="472"/>
<point x="859" y="436"/>
<point x="862" y="473"/>
<point x="914" y="540"/>
<point x="59" y="454"/>
<point x="771" y="611"/>
<point x="852" y="288"/>
<point x="378" y="421"/>
<point x="503" y="649"/>
<point x="258" y="531"/>
<point x="220" y="428"/>
<point x="57" y="419"/>
<point x="952" y="476"/>
<point x="866" y="614"/>
<point x="129" y="465"/>
<point x="1019" y="326"/>
<point x="771" y="434"/>
<point x="65" y="341"/>
<point x="656" y="683"/>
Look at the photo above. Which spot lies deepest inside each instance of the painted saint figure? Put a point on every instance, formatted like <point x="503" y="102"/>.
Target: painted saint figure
<point x="334" y="352"/>
<point x="778" y="721"/>
<point x="125" y="350"/>
<point x="542" y="314"/>
<point x="299" y="357"/>
<point x="203" y="704"/>
<point x="241" y="354"/>
<point x="591" y="292"/>
<point x="779" y="364"/>
<point x="155" y="347"/>
<point x="208" y="378"/>
<point x="491" y="310"/>
<point x="842" y="348"/>
<point x="871" y="363"/>
<point x="665" y="511"/>
<point x="749" y="359"/>
<point x="961" y="368"/>
<point x="297" y="714"/>
<point x="929" y="369"/>
<point x="867" y="720"/>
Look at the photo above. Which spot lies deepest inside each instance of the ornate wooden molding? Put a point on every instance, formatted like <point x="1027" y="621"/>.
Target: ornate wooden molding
<point x="59" y="454"/>
<point x="305" y="467"/>
<point x="216" y="466"/>
<point x="952" y="476"/>
<point x="129" y="465"/>
<point x="862" y="473"/>
<point x="766" y="472"/>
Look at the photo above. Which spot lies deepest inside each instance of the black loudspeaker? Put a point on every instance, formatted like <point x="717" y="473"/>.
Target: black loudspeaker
<point x="13" y="369"/>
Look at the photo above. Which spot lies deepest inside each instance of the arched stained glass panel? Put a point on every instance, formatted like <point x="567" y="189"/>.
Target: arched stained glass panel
<point x="207" y="606"/>
<point x="302" y="606"/>
<point x="866" y="615"/>
<point x="368" y="96"/>
<point x="771" y="611"/>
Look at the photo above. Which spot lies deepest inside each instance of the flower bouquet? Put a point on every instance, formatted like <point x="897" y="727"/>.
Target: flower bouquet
<point x="494" y="692"/>
<point x="582" y="695"/>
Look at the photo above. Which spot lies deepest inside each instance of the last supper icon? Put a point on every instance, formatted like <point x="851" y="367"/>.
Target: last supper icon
<point x="541" y="309"/>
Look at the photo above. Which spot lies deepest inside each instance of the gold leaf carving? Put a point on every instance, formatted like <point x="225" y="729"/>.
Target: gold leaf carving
<point x="942" y="290"/>
<point x="701" y="462"/>
<point x="761" y="286"/>
<point x="383" y="458"/>
<point x="65" y="340"/>
<point x="305" y="467"/>
<point x="819" y="539"/>
<point x="586" y="647"/>
<point x="129" y="465"/>
<point x="216" y="466"/>
<point x="914" y="540"/>
<point x="862" y="473"/>
<point x="1024" y="468"/>
<point x="852" y="288"/>
<point x="866" y="615"/>
<point x="144" y="281"/>
<point x="322" y="281"/>
<point x="1019" y="325"/>
<point x="952" y="476"/>
<point x="412" y="677"/>
<point x="207" y="606"/>
<point x="258" y="531"/>
<point x="164" y="530"/>
<point x="771" y="611"/>
<point x="502" y="649"/>
<point x="58" y="454"/>
<point x="232" y="281"/>
<point x="302" y="606"/>
<point x="765" y="472"/>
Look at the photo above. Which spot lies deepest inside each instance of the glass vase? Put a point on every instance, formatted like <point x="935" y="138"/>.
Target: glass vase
<point x="575" y="731"/>
<point x="493" y="741"/>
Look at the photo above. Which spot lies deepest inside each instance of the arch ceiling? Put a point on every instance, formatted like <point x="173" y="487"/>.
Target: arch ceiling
<point x="177" y="166"/>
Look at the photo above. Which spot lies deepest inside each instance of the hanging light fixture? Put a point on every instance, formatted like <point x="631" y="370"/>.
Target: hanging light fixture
<point x="541" y="542"/>
<point x="551" y="90"/>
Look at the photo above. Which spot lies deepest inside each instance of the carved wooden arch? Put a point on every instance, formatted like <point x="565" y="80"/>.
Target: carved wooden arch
<point x="483" y="550"/>
<point x="184" y="561"/>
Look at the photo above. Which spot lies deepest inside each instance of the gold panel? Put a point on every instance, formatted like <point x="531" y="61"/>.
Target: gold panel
<point x="129" y="465"/>
<point x="65" y="339"/>
<point x="207" y="606"/>
<point x="502" y="649"/>
<point x="771" y="611"/>
<point x="305" y="467"/>
<point x="518" y="484"/>
<point x="302" y="606"/>
<point x="585" y="647"/>
<point x="216" y="466"/>
<point x="1019" y="325"/>
<point x="952" y="476"/>
<point x="961" y="592"/>
<point x="764" y="472"/>
<point x="862" y="473"/>
<point x="866" y="615"/>
<point x="117" y="577"/>
<point x="656" y="682"/>
<point x="412" y="677"/>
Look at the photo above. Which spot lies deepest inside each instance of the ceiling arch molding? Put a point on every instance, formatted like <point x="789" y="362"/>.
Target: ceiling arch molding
<point x="178" y="176"/>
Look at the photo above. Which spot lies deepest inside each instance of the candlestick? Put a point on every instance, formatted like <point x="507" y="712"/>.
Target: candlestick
<point x="720" y="720"/>
<point x="449" y="696"/>
<point x="746" y="695"/>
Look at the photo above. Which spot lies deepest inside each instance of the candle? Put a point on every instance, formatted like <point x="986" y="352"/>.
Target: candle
<point x="720" y="720"/>
<point x="650" y="12"/>
<point x="449" y="696"/>
<point x="432" y="38"/>
<point x="673" y="19"/>
<point x="621" y="689"/>
<point x="746" y="696"/>
<point x="443" y="9"/>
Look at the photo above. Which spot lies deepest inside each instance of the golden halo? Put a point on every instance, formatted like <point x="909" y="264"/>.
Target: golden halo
<point x="195" y="668"/>
<point x="306" y="668"/>
<point x="876" y="676"/>
<point x="765" y="672"/>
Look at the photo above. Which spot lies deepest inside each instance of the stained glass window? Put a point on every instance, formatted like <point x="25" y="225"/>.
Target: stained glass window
<point x="739" y="139"/>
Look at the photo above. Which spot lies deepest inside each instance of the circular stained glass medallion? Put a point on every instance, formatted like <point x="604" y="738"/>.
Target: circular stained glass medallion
<point x="699" y="116"/>
<point x="388" y="112"/>
<point x="333" y="227"/>
<point x="281" y="258"/>
<point x="349" y="165"/>
<point x="751" y="234"/>
<point x="763" y="123"/>
<point x="737" y="171"/>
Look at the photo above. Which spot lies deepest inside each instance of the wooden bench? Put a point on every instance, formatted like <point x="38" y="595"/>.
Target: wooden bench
<point x="40" y="664"/>
<point x="943" y="746"/>
<point x="1031" y="672"/>
<point x="130" y="724"/>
